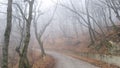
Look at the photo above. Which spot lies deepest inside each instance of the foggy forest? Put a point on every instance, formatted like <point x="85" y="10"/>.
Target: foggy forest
<point x="60" y="34"/>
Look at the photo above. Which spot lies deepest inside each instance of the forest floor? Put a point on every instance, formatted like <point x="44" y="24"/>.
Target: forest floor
<point x="35" y="60"/>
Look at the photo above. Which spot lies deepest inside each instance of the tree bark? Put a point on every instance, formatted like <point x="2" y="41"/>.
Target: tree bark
<point x="7" y="36"/>
<point x="24" y="62"/>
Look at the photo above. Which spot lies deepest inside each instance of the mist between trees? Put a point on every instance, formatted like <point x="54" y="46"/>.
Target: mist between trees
<point x="24" y="23"/>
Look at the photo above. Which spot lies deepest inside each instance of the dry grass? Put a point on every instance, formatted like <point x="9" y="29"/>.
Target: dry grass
<point x="38" y="62"/>
<point x="35" y="60"/>
<point x="46" y="62"/>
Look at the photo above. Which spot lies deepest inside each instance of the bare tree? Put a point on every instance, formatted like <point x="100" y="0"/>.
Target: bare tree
<point x="79" y="14"/>
<point x="7" y="35"/>
<point x="91" y="33"/>
<point x="41" y="32"/>
<point x="114" y="5"/>
<point x="23" y="62"/>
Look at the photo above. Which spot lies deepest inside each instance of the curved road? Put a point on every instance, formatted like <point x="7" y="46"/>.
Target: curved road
<point x="63" y="61"/>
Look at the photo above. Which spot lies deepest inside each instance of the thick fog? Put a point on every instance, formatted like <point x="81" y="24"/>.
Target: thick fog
<point x="65" y="21"/>
<point x="71" y="25"/>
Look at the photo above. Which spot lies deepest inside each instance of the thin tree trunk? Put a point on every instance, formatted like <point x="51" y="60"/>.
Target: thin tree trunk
<point x="38" y="38"/>
<point x="89" y="22"/>
<point x="42" y="49"/>
<point x="7" y="35"/>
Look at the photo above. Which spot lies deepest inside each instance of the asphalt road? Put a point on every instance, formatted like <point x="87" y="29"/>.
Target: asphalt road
<point x="63" y="61"/>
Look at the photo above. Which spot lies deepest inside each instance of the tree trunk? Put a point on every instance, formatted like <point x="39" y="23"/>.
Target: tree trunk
<point x="89" y="22"/>
<point x="24" y="63"/>
<point x="7" y="36"/>
<point x="42" y="48"/>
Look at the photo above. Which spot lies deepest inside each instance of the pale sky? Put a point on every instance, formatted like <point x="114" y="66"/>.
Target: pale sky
<point x="48" y="3"/>
<point x="45" y="3"/>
